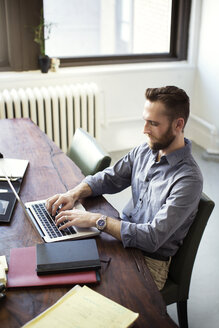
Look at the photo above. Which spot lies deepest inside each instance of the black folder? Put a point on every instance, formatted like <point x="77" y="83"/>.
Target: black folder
<point x="15" y="170"/>
<point x="8" y="199"/>
<point x="66" y="256"/>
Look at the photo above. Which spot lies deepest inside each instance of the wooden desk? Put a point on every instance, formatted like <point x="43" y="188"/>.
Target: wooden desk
<point x="125" y="280"/>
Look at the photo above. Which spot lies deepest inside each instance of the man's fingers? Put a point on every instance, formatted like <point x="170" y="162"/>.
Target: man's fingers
<point x="54" y="203"/>
<point x="50" y="202"/>
<point x="66" y="225"/>
<point x="63" y="217"/>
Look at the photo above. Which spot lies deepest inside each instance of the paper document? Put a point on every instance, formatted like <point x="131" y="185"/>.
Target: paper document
<point x="83" y="307"/>
<point x="14" y="168"/>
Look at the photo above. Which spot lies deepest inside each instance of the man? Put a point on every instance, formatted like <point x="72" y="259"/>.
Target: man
<point x="166" y="186"/>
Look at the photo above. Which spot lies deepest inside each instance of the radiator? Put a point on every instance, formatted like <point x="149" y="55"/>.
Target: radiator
<point x="57" y="110"/>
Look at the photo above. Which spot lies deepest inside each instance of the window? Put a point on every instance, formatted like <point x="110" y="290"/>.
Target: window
<point x="101" y="31"/>
<point x="94" y="32"/>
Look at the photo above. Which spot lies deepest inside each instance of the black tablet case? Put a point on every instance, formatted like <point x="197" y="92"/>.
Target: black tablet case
<point x="10" y="197"/>
<point x="65" y="256"/>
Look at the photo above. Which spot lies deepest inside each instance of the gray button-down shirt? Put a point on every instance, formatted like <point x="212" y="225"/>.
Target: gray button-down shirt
<point x="165" y="196"/>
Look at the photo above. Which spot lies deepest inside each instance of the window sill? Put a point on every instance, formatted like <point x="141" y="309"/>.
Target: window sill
<point x="97" y="70"/>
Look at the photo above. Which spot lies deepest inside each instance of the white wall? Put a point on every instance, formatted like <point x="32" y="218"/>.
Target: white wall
<point x="206" y="82"/>
<point x="122" y="89"/>
<point x="123" y="86"/>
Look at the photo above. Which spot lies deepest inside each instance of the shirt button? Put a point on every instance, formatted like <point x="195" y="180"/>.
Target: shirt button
<point x="130" y="216"/>
<point x="140" y="199"/>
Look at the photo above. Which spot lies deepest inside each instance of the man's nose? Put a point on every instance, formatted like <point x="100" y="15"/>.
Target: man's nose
<point x="146" y="129"/>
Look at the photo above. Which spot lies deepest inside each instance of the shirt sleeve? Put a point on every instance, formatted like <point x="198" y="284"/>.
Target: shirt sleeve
<point x="171" y="222"/>
<point x="112" y="179"/>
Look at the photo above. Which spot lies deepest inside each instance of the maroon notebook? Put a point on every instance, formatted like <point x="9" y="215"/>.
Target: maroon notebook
<point x="22" y="272"/>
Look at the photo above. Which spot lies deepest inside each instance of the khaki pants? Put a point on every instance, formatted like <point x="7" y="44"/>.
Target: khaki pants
<point x="159" y="270"/>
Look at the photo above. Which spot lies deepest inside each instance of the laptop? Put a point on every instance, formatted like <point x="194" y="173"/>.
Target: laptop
<point x="44" y="223"/>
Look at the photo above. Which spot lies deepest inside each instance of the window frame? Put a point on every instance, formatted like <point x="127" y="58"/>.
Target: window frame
<point x="23" y="52"/>
<point x="180" y="20"/>
<point x="21" y="16"/>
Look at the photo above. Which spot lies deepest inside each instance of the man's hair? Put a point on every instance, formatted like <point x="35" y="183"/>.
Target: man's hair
<point x="176" y="101"/>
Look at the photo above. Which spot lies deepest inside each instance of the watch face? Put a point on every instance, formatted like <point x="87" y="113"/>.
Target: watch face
<point x="101" y="222"/>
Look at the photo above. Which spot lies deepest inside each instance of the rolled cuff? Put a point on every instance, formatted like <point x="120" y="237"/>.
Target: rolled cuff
<point x="91" y="182"/>
<point x="128" y="234"/>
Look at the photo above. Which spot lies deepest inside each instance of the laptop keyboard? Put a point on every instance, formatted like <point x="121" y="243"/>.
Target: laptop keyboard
<point x="49" y="222"/>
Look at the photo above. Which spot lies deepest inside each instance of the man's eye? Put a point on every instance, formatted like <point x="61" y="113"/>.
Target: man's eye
<point x="153" y="123"/>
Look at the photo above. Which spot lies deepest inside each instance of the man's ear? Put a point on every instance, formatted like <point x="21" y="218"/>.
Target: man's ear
<point x="179" y="125"/>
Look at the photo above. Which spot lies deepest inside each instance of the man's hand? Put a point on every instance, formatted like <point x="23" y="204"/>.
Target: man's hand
<point x="77" y="218"/>
<point x="86" y="219"/>
<point x="67" y="200"/>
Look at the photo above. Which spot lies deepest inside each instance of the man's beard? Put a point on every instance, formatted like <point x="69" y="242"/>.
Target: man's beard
<point x="162" y="142"/>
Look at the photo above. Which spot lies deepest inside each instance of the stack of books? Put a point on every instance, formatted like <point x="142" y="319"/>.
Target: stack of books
<point x="68" y="262"/>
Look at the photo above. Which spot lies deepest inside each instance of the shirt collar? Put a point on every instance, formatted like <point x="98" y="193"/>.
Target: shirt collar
<point x="177" y="155"/>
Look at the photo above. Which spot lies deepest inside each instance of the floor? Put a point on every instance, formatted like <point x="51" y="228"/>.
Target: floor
<point x="203" y="303"/>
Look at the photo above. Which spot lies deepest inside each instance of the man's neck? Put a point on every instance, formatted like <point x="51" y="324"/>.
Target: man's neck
<point x="177" y="143"/>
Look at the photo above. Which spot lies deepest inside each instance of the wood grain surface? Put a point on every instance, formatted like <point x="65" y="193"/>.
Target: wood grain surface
<point x="124" y="275"/>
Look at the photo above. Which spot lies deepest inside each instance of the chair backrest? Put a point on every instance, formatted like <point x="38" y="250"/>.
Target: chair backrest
<point x="87" y="154"/>
<point x="182" y="263"/>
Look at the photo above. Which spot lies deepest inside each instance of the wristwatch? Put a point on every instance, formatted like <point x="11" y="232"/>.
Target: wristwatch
<point x="101" y="223"/>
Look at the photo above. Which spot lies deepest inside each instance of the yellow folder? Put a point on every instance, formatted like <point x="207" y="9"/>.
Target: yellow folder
<point x="82" y="307"/>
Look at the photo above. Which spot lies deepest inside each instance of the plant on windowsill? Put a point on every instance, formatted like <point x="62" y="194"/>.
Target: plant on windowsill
<point x="41" y="34"/>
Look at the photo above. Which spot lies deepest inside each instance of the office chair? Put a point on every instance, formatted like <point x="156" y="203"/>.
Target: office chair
<point x="87" y="154"/>
<point x="176" y="288"/>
